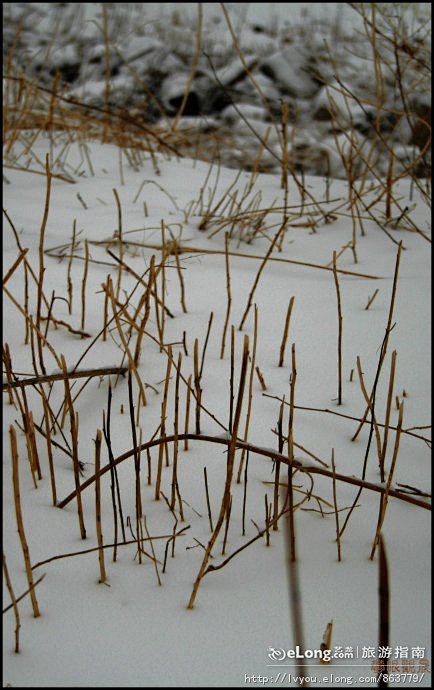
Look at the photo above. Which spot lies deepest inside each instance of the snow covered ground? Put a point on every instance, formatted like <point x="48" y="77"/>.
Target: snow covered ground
<point x="136" y="630"/>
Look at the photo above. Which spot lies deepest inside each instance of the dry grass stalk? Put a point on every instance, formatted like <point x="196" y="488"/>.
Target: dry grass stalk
<point x="164" y="254"/>
<point x="389" y="192"/>
<point x="371" y="299"/>
<point x="41" y="261"/>
<point x="338" y="539"/>
<point x="385" y="496"/>
<point x="205" y="345"/>
<point x="119" y="238"/>
<point x="197" y="388"/>
<point x="228" y="290"/>
<point x="326" y="643"/>
<point x="291" y="456"/>
<point x="338" y="295"/>
<point x="261" y="379"/>
<point x="227" y="520"/>
<point x="102" y="572"/>
<point x="163" y="425"/>
<point x="388" y="329"/>
<point x="277" y="467"/>
<point x="249" y="402"/>
<point x="285" y="333"/>
<point x="14" y="604"/>
<point x="83" y="285"/>
<point x="181" y="279"/>
<point x="384" y="604"/>
<point x="49" y="378"/>
<point x="387" y="418"/>
<point x="19" y="517"/>
<point x="74" y="438"/>
<point x="258" y="275"/>
<point x="136" y="465"/>
<point x="267" y="520"/>
<point x="15" y="265"/>
<point x="175" y="485"/>
<point x="208" y="504"/>
<point x="229" y="474"/>
<point x="106" y="303"/>
<point x="152" y="549"/>
<point x="369" y="403"/>
<point x="47" y="418"/>
<point x="231" y="380"/>
<point x="187" y="412"/>
<point x="245" y="494"/>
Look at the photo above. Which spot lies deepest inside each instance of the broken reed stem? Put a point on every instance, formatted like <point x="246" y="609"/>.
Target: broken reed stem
<point x="83" y="285"/>
<point x="229" y="474"/>
<point x="197" y="387"/>
<point x="163" y="282"/>
<point x="47" y="418"/>
<point x="102" y="573"/>
<point x="116" y="314"/>
<point x="291" y="456"/>
<point x="261" y="379"/>
<point x="338" y="295"/>
<point x="119" y="237"/>
<point x="14" y="604"/>
<point x="245" y="493"/>
<point x="371" y="299"/>
<point x="369" y="403"/>
<point x="15" y="265"/>
<point x="388" y="329"/>
<point x="338" y="539"/>
<point x="384" y="614"/>
<point x="277" y="468"/>
<point x="228" y="290"/>
<point x="387" y="418"/>
<point x="106" y="303"/>
<point x="205" y="345"/>
<point x="228" y="517"/>
<point x="175" y="485"/>
<point x="389" y="186"/>
<point x="74" y="438"/>
<point x="181" y="278"/>
<point x="152" y="550"/>
<point x="187" y="411"/>
<point x="208" y="504"/>
<point x="385" y="497"/>
<point x="163" y="425"/>
<point x="267" y="520"/>
<point x="231" y="380"/>
<point x="147" y="309"/>
<point x="136" y="465"/>
<point x="41" y="261"/>
<point x="19" y="517"/>
<point x="261" y="268"/>
<point x="249" y="402"/>
<point x="285" y="333"/>
<point x="83" y="373"/>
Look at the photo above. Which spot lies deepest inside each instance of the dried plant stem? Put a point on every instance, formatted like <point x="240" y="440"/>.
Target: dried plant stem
<point x="245" y="494"/>
<point x="136" y="465"/>
<point x="19" y="517"/>
<point x="187" y="412"/>
<point x="228" y="290"/>
<point x="47" y="418"/>
<point x="181" y="279"/>
<point x="83" y="373"/>
<point x="83" y="285"/>
<point x="205" y="345"/>
<point x="277" y="468"/>
<point x="291" y="456"/>
<point x="389" y="192"/>
<point x="231" y="380"/>
<point x="338" y="539"/>
<point x="369" y="403"/>
<point x="197" y="388"/>
<point x="152" y="550"/>
<point x="261" y="379"/>
<point x="267" y="520"/>
<point x="74" y="438"/>
<point x="228" y="517"/>
<point x="383" y="591"/>
<point x="285" y="332"/>
<point x="15" y="265"/>
<point x="41" y="262"/>
<point x="385" y="496"/>
<point x="338" y="295"/>
<point x="371" y="299"/>
<point x="249" y="402"/>
<point x="208" y="504"/>
<point x="14" y="604"/>
<point x="258" y="275"/>
<point x="387" y="418"/>
<point x="388" y="329"/>
<point x="163" y="425"/>
<point x="106" y="303"/>
<point x="102" y="572"/>
<point x="229" y="474"/>
<point x="119" y="237"/>
<point x="175" y="485"/>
